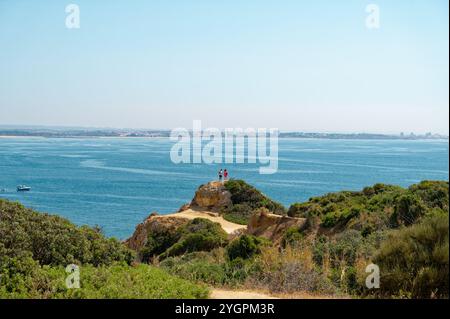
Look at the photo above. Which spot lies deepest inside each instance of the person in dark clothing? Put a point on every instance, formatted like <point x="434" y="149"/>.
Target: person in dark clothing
<point x="220" y="175"/>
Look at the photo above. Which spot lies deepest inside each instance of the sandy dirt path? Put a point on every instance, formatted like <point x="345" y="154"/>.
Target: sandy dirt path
<point x="217" y="293"/>
<point x="229" y="227"/>
<point x="237" y="294"/>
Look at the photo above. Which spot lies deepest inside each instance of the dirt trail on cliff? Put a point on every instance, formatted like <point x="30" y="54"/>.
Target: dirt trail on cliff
<point x="229" y="227"/>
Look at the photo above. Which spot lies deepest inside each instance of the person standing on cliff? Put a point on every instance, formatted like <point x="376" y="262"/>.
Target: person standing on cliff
<point x="220" y="175"/>
<point x="225" y="175"/>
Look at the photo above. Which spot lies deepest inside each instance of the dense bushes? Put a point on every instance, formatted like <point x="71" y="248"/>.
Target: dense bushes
<point x="245" y="247"/>
<point x="375" y="208"/>
<point x="404" y="231"/>
<point x="292" y="237"/>
<point x="52" y="240"/>
<point x="198" y="234"/>
<point x="350" y="231"/>
<point x="239" y="213"/>
<point x="198" y="267"/>
<point x="158" y="241"/>
<point x="433" y="193"/>
<point x="228" y="266"/>
<point x="414" y="261"/>
<point x="289" y="270"/>
<point x="24" y="278"/>
<point x="340" y="256"/>
<point x="241" y="192"/>
<point x="407" y="209"/>
<point x="245" y="199"/>
<point x="35" y="248"/>
<point x="213" y="268"/>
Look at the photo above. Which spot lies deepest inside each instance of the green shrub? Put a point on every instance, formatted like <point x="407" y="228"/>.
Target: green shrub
<point x="239" y="213"/>
<point x="414" y="261"/>
<point x="238" y="269"/>
<point x="26" y="279"/>
<point x="245" y="200"/>
<point x="433" y="193"/>
<point x="375" y="208"/>
<point x="158" y="241"/>
<point x="196" y="267"/>
<point x="52" y="240"/>
<point x="246" y="246"/>
<point x="408" y="208"/>
<point x="344" y="248"/>
<point x="292" y="236"/>
<point x="305" y="210"/>
<point x="198" y="234"/>
<point x="330" y="219"/>
<point x="209" y="267"/>
<point x="341" y="256"/>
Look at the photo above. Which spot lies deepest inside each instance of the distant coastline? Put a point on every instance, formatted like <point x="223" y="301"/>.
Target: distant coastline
<point x="122" y="133"/>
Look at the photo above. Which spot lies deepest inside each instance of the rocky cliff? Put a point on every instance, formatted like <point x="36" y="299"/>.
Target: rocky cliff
<point x="272" y="226"/>
<point x="154" y="223"/>
<point x="212" y="196"/>
<point x="207" y="203"/>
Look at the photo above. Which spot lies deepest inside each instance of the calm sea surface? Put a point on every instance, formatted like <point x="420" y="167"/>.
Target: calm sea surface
<point x="115" y="183"/>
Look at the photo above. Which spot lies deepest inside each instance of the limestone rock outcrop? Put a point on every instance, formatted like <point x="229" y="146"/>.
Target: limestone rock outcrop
<point x="207" y="203"/>
<point x="154" y="224"/>
<point x="271" y="226"/>
<point x="211" y="196"/>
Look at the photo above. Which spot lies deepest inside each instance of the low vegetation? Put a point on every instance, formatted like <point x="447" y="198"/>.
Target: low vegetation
<point x="414" y="260"/>
<point x="197" y="235"/>
<point x="52" y="240"/>
<point x="245" y="247"/>
<point x="402" y="230"/>
<point x="36" y="248"/>
<point x="245" y="200"/>
<point x="374" y="208"/>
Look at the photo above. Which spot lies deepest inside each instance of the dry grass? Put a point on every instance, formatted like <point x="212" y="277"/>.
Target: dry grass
<point x="290" y="271"/>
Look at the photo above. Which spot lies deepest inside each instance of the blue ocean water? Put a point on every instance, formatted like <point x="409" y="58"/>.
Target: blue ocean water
<point x="115" y="183"/>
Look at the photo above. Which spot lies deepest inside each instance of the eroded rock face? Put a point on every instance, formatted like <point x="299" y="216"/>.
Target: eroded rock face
<point x="153" y="223"/>
<point x="272" y="226"/>
<point x="212" y="196"/>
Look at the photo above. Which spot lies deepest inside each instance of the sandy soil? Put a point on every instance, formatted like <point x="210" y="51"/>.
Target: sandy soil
<point x="248" y="294"/>
<point x="238" y="294"/>
<point x="229" y="227"/>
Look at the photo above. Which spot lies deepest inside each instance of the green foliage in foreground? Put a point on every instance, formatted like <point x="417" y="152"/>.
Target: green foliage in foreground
<point x="414" y="261"/>
<point x="26" y="279"/>
<point x="35" y="248"/>
<point x="53" y="240"/>
<point x="245" y="200"/>
<point x="404" y="231"/>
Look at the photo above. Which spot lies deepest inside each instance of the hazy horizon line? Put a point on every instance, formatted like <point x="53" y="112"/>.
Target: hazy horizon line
<point x="82" y="127"/>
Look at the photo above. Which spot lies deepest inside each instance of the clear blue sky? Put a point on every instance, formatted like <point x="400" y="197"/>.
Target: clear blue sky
<point x="294" y="65"/>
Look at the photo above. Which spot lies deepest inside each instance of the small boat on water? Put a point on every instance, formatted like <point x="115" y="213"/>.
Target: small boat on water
<point x="23" y="188"/>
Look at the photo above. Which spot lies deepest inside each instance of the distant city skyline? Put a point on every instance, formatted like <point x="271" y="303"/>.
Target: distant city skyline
<point x="74" y="131"/>
<point x="291" y="65"/>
